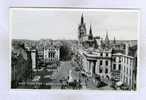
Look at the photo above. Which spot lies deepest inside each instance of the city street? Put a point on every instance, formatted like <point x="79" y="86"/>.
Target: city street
<point x="60" y="76"/>
<point x="55" y="77"/>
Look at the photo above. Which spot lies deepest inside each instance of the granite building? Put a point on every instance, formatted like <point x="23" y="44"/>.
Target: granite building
<point x="105" y="58"/>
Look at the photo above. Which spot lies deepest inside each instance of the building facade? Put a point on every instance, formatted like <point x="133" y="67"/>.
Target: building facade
<point x="105" y="58"/>
<point x="51" y="54"/>
<point x="45" y="55"/>
<point x="96" y="54"/>
<point x="104" y="63"/>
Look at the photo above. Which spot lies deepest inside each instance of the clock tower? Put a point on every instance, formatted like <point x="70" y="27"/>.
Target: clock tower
<point x="81" y="29"/>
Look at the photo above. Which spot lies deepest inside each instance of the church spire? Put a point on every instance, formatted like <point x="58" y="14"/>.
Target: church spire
<point x="82" y="19"/>
<point x="107" y="38"/>
<point x="90" y="33"/>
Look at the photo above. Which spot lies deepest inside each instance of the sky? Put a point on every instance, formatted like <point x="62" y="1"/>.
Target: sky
<point x="48" y="23"/>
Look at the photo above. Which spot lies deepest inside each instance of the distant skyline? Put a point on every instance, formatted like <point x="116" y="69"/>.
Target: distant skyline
<point x="45" y="23"/>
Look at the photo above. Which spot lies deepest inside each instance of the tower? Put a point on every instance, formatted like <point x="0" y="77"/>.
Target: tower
<point x="82" y="29"/>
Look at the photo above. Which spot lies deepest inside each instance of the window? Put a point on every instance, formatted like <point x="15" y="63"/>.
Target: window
<point x="106" y="63"/>
<point x="49" y="54"/>
<point x="114" y="66"/>
<point x="100" y="62"/>
<point x="101" y="54"/>
<point x="124" y="47"/>
<point x="53" y="55"/>
<point x="119" y="66"/>
<point x="106" y="54"/>
<point x="106" y="70"/>
<point x="119" y="59"/>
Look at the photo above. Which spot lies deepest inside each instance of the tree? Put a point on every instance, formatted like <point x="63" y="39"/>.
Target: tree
<point x="65" y="51"/>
